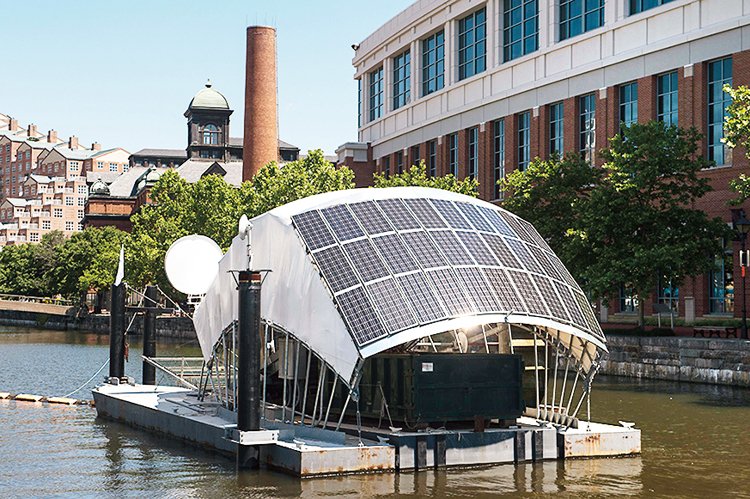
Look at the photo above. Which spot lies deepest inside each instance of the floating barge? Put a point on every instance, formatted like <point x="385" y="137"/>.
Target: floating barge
<point x="306" y="452"/>
<point x="393" y="329"/>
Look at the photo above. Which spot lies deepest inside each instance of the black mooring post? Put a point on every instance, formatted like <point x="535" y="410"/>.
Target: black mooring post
<point x="149" y="336"/>
<point x="248" y="375"/>
<point x="117" y="332"/>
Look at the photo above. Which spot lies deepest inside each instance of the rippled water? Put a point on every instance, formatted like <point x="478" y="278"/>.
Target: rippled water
<point x="695" y="443"/>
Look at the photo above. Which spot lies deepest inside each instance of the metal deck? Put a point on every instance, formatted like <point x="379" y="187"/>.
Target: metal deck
<point x="307" y="451"/>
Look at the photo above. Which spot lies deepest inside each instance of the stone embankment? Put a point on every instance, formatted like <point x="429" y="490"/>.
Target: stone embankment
<point x="701" y="360"/>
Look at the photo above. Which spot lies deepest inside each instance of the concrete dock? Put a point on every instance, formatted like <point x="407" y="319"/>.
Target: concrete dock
<point x="310" y="451"/>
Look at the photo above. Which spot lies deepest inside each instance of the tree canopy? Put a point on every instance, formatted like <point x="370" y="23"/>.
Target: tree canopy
<point x="630" y="222"/>
<point x="737" y="133"/>
<point x="417" y="176"/>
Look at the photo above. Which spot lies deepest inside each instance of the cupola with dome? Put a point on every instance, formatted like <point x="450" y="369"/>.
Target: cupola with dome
<point x="208" y="126"/>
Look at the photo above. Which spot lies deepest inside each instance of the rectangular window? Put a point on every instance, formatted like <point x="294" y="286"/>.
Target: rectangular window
<point x="58" y="213"/>
<point x="638" y="6"/>
<point x="473" y="152"/>
<point x="113" y="167"/>
<point x="556" y="128"/>
<point x="721" y="284"/>
<point x="719" y="74"/>
<point x="376" y="94"/>
<point x="579" y="16"/>
<point x="432" y="157"/>
<point x="100" y="165"/>
<point x="628" y="104"/>
<point x="666" y="98"/>
<point x="520" y="28"/>
<point x="387" y="166"/>
<point x="433" y="63"/>
<point x="400" y="162"/>
<point x="669" y="294"/>
<point x="359" y="102"/>
<point x="472" y="45"/>
<point x="401" y="79"/>
<point x="68" y="225"/>
<point x="628" y="300"/>
<point x="415" y="155"/>
<point x="81" y="201"/>
<point x="524" y="140"/>
<point x="587" y="127"/>
<point x="498" y="156"/>
<point x="69" y="201"/>
<point x="46" y="224"/>
<point x="453" y="154"/>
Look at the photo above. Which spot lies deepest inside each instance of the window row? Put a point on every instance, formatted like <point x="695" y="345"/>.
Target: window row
<point x="520" y="36"/>
<point x="719" y="73"/>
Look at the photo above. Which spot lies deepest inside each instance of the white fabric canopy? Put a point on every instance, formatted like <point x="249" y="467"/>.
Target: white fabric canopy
<point x="296" y="299"/>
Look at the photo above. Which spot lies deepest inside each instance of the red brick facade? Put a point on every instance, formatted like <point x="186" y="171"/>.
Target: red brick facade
<point x="692" y="99"/>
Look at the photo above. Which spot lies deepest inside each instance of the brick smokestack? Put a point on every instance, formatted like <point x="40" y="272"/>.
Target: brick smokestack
<point x="52" y="137"/>
<point x="261" y="142"/>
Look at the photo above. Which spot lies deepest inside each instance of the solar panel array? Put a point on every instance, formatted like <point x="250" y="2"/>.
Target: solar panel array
<point x="394" y="264"/>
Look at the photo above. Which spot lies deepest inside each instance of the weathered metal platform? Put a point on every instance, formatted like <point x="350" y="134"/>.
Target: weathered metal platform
<point x="307" y="451"/>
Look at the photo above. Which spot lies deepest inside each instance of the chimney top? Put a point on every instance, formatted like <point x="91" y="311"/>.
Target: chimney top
<point x="13" y="125"/>
<point x="73" y="142"/>
<point x="31" y="130"/>
<point x="52" y="136"/>
<point x="96" y="146"/>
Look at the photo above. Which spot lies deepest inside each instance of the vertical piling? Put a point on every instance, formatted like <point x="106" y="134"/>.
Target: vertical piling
<point x="248" y="376"/>
<point x="117" y="332"/>
<point x="149" y="336"/>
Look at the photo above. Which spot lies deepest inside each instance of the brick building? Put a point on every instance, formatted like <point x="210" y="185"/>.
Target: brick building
<point x="45" y="180"/>
<point x="480" y="88"/>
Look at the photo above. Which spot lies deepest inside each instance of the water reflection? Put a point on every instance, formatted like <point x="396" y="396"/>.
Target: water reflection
<point x="695" y="443"/>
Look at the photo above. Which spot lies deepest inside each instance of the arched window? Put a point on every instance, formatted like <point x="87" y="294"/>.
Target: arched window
<point x="210" y="134"/>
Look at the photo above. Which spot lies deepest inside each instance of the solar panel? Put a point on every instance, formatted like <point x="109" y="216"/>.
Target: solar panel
<point x="500" y="225"/>
<point x="588" y="313"/>
<point x="475" y="217"/>
<point x="563" y="270"/>
<point x="451" y="214"/>
<point x="424" y="249"/>
<point x="365" y="259"/>
<point x="450" y="291"/>
<point x="360" y="315"/>
<point x="517" y="227"/>
<point x="529" y="292"/>
<point x="571" y="306"/>
<point x="391" y="303"/>
<point x="476" y="247"/>
<point x="370" y="217"/>
<point x="503" y="254"/>
<point x="425" y="213"/>
<point x="479" y="289"/>
<point x="551" y="299"/>
<point x="549" y="267"/>
<point x="533" y="233"/>
<point x="335" y="269"/>
<point x="342" y="222"/>
<point x="507" y="298"/>
<point x="396" y="212"/>
<point x="423" y="300"/>
<point x="451" y="247"/>
<point x="313" y="230"/>
<point x="521" y="251"/>
<point x="395" y="254"/>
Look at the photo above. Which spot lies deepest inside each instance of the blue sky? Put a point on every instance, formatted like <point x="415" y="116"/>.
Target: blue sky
<point x="122" y="73"/>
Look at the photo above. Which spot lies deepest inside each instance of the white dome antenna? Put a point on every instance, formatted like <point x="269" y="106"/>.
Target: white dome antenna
<point x="192" y="263"/>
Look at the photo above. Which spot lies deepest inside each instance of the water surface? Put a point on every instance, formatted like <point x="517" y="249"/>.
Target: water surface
<point x="696" y="442"/>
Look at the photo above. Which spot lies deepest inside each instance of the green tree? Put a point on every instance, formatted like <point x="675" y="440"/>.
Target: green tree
<point x="417" y="176"/>
<point x="640" y="221"/>
<point x="737" y="133"/>
<point x="275" y="185"/>
<point x="552" y="194"/>
<point x="19" y="272"/>
<point x="87" y="260"/>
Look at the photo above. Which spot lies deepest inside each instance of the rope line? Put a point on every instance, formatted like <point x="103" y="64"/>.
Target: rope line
<point x="89" y="380"/>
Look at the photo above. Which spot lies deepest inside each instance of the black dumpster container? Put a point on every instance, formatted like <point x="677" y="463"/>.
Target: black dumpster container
<point x="437" y="388"/>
